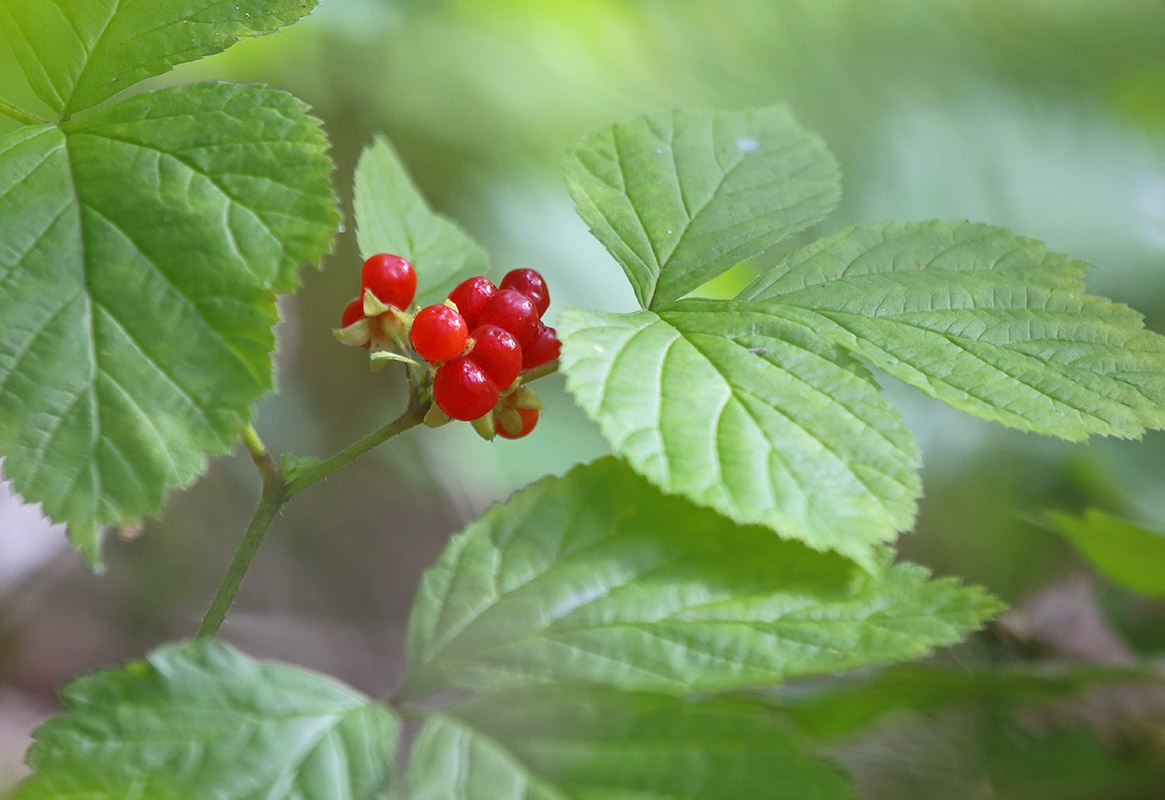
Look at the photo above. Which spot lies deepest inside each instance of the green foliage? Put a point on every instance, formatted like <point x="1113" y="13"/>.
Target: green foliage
<point x="589" y="630"/>
<point x="393" y="217"/>
<point x="842" y="710"/>
<point x="982" y="319"/>
<point x="1128" y="553"/>
<point x="77" y="53"/>
<point x="143" y="244"/>
<point x="786" y="429"/>
<point x="198" y="719"/>
<point x="681" y="196"/>
<point x="653" y="593"/>
<point x="592" y="744"/>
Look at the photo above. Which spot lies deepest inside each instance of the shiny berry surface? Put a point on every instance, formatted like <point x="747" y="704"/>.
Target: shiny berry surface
<point x="530" y="283"/>
<point x="514" y="312"/>
<point x="438" y="333"/>
<point x="497" y="352"/>
<point x="353" y="312"/>
<point x="471" y="296"/>
<point x="544" y="349"/>
<point x="529" y="417"/>
<point x="391" y="278"/>
<point x="463" y="390"/>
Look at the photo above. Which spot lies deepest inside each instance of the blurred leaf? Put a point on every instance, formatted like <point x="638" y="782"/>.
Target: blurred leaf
<point x="682" y="196"/>
<point x="750" y="413"/>
<point x="653" y="593"/>
<point x="139" y="252"/>
<point x="77" y="53"/>
<point x="843" y="710"/>
<point x="986" y="321"/>
<point x="593" y="744"/>
<point x="392" y="217"/>
<point x="1131" y="555"/>
<point x="200" y="720"/>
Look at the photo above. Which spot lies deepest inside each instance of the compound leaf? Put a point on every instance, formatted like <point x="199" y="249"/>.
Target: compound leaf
<point x="139" y="252"/>
<point x="656" y="594"/>
<point x="76" y="53"/>
<point x="785" y="430"/>
<point x="679" y="197"/>
<point x="1127" y="553"/>
<point x="198" y="719"/>
<point x="393" y="217"/>
<point x="984" y="320"/>
<point x="580" y="744"/>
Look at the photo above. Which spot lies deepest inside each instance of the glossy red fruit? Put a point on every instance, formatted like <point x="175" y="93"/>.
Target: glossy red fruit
<point x="470" y="296"/>
<point x="496" y="351"/>
<point x="530" y="283"/>
<point x="353" y="313"/>
<point x="513" y="311"/>
<point x="544" y="349"/>
<point x="463" y="390"/>
<point x="391" y="278"/>
<point x="529" y="420"/>
<point x="438" y="333"/>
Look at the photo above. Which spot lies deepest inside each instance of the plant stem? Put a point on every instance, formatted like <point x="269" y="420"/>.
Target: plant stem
<point x="413" y="416"/>
<point x="268" y="471"/>
<point x="19" y="114"/>
<point x="270" y="502"/>
<point x="277" y="490"/>
<point x="280" y="485"/>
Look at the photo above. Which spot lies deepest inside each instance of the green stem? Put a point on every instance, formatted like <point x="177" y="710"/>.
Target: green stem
<point x="270" y="502"/>
<point x="277" y="490"/>
<point x="304" y="478"/>
<point x="19" y="114"/>
<point x="279" y="486"/>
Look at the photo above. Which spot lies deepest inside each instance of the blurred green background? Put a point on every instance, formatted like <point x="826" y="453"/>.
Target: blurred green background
<point x="1045" y="117"/>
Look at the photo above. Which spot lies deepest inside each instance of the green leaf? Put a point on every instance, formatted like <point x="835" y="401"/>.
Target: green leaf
<point x="576" y="744"/>
<point x="653" y="593"/>
<point x="77" y="53"/>
<point x="842" y="710"/>
<point x="139" y="253"/>
<point x="752" y="414"/>
<point x="986" y="321"/>
<point x="679" y="197"/>
<point x="198" y="719"/>
<point x="393" y="217"/>
<point x="1127" y="553"/>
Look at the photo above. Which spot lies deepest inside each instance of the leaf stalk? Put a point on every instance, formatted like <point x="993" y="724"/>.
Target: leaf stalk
<point x="19" y="114"/>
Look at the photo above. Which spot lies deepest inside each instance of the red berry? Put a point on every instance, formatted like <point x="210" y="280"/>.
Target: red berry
<point x="470" y="296"/>
<point x="438" y="333"/>
<point x="529" y="420"/>
<point x="463" y="391"/>
<point x="497" y="352"/>
<point x="353" y="313"/>
<point x="543" y="350"/>
<point x="390" y="278"/>
<point x="513" y="311"/>
<point x="530" y="283"/>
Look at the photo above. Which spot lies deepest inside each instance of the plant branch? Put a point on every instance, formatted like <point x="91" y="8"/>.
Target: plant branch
<point x="305" y="477"/>
<point x="19" y="114"/>
<point x="270" y="502"/>
<point x="268" y="471"/>
<point x="278" y="488"/>
<point x="281" y="484"/>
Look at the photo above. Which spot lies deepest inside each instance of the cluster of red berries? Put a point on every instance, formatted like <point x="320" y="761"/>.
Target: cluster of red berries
<point x="476" y="344"/>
